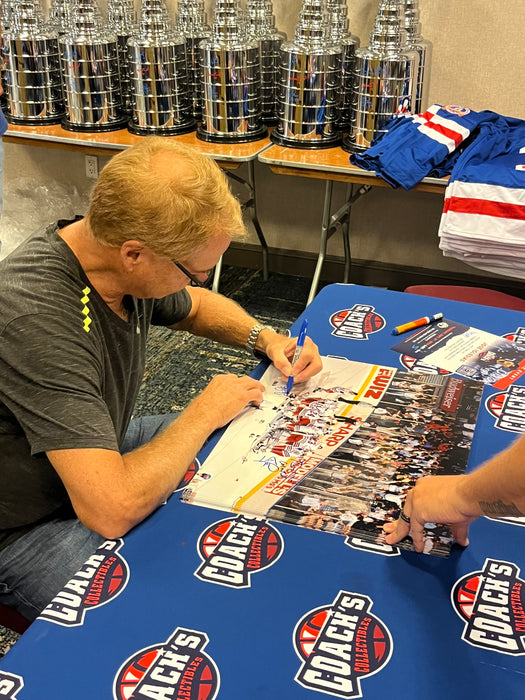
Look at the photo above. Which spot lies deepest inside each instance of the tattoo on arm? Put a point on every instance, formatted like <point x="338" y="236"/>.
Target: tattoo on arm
<point x="499" y="509"/>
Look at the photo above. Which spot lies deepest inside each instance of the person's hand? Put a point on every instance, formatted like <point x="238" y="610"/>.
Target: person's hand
<point x="226" y="396"/>
<point x="280" y="350"/>
<point x="434" y="499"/>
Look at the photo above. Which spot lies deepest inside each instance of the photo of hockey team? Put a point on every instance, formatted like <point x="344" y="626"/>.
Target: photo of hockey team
<point x="423" y="425"/>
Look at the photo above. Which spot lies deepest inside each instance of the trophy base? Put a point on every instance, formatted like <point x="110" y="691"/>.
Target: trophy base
<point x="184" y="128"/>
<point x="21" y="121"/>
<point x="231" y="138"/>
<point x="352" y="147"/>
<point x="95" y="128"/>
<point x="281" y="140"/>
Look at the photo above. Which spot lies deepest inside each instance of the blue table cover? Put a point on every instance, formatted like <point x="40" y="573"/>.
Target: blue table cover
<point x="197" y="604"/>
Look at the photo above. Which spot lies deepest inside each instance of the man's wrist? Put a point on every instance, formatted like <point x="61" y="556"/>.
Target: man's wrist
<point x="256" y="343"/>
<point x="465" y="492"/>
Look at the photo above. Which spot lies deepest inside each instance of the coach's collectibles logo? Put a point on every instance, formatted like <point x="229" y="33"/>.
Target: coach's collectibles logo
<point x="492" y="604"/>
<point x="340" y="644"/>
<point x="234" y="548"/>
<point x="10" y="684"/>
<point x="104" y="575"/>
<point x="356" y="323"/>
<point x="177" y="669"/>
<point x="190" y="473"/>
<point x="508" y="408"/>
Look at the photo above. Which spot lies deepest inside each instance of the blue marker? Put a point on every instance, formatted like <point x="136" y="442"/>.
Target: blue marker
<point x="298" y="350"/>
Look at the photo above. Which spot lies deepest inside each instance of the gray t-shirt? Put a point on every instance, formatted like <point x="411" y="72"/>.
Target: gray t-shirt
<point x="70" y="371"/>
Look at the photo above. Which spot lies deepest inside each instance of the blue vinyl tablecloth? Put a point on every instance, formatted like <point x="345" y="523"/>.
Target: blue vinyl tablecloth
<point x="198" y="604"/>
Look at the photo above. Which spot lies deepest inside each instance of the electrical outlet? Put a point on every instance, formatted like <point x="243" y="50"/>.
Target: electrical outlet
<point x="92" y="167"/>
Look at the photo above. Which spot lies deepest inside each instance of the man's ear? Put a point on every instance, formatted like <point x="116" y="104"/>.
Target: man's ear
<point x="132" y="254"/>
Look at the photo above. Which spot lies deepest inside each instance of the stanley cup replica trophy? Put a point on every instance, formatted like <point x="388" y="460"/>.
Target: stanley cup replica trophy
<point x="310" y="84"/>
<point x="90" y="72"/>
<point x="121" y="23"/>
<point x="231" y="100"/>
<point x="192" y="24"/>
<point x="339" y="35"/>
<point x="60" y="16"/>
<point x="160" y="91"/>
<point x="424" y="49"/>
<point x="385" y="77"/>
<point x="261" y="27"/>
<point x="32" y="68"/>
<point x="6" y="13"/>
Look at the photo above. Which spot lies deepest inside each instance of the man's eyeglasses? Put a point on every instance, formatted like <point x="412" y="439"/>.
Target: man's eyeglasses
<point x="194" y="281"/>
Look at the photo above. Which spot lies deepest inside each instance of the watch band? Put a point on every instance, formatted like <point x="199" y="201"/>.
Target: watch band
<point x="252" y="338"/>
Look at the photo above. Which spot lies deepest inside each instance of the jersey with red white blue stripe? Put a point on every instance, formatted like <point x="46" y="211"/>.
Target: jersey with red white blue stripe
<point x="485" y="196"/>
<point x="428" y="144"/>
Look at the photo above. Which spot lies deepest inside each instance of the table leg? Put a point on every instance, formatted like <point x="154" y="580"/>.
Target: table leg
<point x="324" y="238"/>
<point x="217" y="275"/>
<point x="328" y="227"/>
<point x="346" y="236"/>
<point x="251" y="205"/>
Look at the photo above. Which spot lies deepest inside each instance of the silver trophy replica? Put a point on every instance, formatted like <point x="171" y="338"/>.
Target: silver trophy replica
<point x="231" y="100"/>
<point x="160" y="91"/>
<point x="193" y="25"/>
<point x="385" y="77"/>
<point x="60" y="16"/>
<point x="339" y="35"/>
<point x="6" y="18"/>
<point x="260" y="26"/>
<point x="90" y="72"/>
<point x="424" y="48"/>
<point x="310" y="84"/>
<point x="32" y="68"/>
<point x="6" y="13"/>
<point x="121" y="23"/>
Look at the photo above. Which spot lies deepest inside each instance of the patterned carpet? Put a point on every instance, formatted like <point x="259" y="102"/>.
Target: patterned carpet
<point x="180" y="365"/>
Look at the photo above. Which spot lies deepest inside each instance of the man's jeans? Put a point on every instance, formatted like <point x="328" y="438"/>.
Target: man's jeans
<point x="34" y="568"/>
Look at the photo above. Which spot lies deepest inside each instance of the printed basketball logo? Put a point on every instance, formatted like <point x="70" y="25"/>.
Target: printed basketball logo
<point x="508" y="408"/>
<point x="340" y="644"/>
<point x="458" y="111"/>
<point x="10" y="684"/>
<point x="356" y="323"/>
<point x="491" y="602"/>
<point x="386" y="550"/>
<point x="176" y="669"/>
<point x="192" y="470"/>
<point x="102" y="578"/>
<point x="419" y="366"/>
<point x="233" y="549"/>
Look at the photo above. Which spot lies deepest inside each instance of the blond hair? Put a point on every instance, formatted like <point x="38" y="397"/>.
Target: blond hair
<point x="166" y="195"/>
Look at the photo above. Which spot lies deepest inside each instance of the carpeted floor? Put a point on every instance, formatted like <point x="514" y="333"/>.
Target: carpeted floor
<point x="180" y="365"/>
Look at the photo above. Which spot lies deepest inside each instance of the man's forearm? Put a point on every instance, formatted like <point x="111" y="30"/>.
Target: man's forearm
<point x="221" y="319"/>
<point x="497" y="488"/>
<point x="218" y="318"/>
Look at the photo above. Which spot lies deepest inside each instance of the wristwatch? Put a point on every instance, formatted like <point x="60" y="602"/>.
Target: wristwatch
<point x="252" y="339"/>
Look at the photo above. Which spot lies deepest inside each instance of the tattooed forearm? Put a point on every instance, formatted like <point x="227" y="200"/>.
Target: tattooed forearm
<point x="499" y="509"/>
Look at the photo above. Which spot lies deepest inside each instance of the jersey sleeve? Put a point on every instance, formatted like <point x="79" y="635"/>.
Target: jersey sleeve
<point x="414" y="146"/>
<point x="52" y="382"/>
<point x="171" y="309"/>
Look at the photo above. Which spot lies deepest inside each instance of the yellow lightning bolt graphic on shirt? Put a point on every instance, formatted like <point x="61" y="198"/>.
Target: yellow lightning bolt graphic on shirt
<point x="85" y="309"/>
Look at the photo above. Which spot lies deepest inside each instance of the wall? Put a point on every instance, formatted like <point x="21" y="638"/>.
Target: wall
<point x="477" y="51"/>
